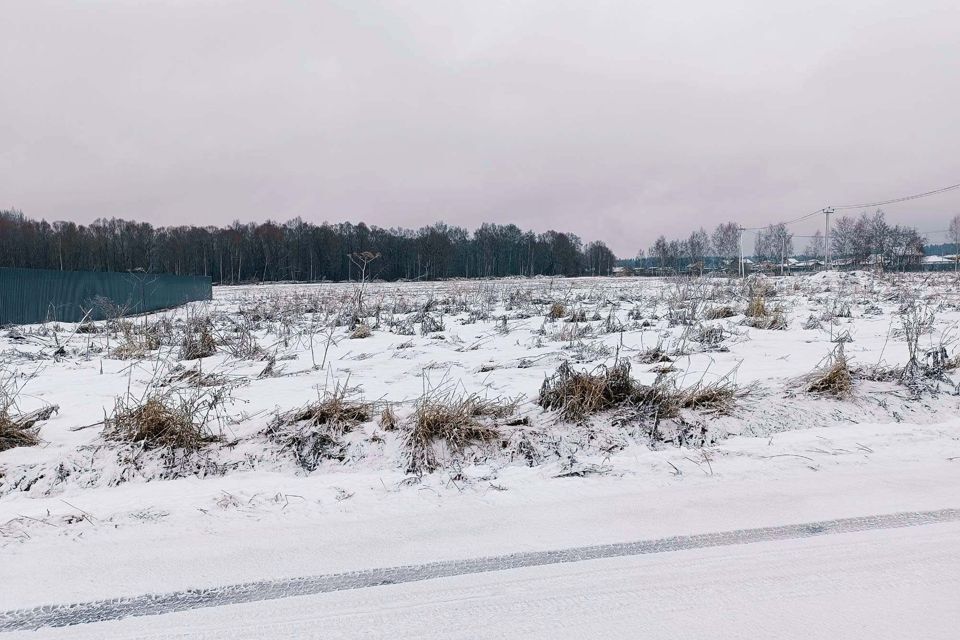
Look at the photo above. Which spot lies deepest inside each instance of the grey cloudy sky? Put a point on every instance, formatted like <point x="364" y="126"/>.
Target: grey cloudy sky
<point x="615" y="120"/>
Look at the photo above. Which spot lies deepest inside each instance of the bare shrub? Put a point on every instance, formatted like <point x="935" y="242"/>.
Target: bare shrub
<point x="571" y="333"/>
<point x="335" y="409"/>
<point x="838" y="309"/>
<point x="923" y="369"/>
<point x="404" y="327"/>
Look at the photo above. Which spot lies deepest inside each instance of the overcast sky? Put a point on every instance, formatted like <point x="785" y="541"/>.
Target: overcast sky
<point x="615" y="120"/>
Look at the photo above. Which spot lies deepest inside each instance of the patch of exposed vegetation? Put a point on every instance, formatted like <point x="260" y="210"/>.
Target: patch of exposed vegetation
<point x="162" y="420"/>
<point x="445" y="420"/>
<point x="832" y="378"/>
<point x="198" y="340"/>
<point x="314" y="432"/>
<point x="577" y="395"/>
<point x="760" y="315"/>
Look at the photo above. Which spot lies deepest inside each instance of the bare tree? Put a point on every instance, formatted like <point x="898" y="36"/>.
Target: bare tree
<point x="698" y="246"/>
<point x="954" y="234"/>
<point x="816" y="246"/>
<point x="774" y="243"/>
<point x="362" y="260"/>
<point x="879" y="237"/>
<point x="599" y="259"/>
<point x="661" y="251"/>
<point x="842" y="237"/>
<point x="676" y="250"/>
<point x="726" y="241"/>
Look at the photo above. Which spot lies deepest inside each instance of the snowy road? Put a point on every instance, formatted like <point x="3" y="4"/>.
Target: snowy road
<point x="927" y="562"/>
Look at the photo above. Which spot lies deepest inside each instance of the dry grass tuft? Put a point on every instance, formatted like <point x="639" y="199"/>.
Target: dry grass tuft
<point x="833" y="377"/>
<point x="757" y="307"/>
<point x="193" y="376"/>
<point x="578" y="394"/>
<point x="557" y="311"/>
<point x="361" y="331"/>
<point x="198" y="340"/>
<point x="760" y="316"/>
<point x="388" y="419"/>
<point x="136" y="344"/>
<point x="14" y="433"/>
<point x="451" y="421"/>
<point x="654" y="355"/>
<point x="19" y="430"/>
<point x="718" y="313"/>
<point x="334" y="410"/>
<point x="160" y="421"/>
<point x="715" y="398"/>
<point x="314" y="433"/>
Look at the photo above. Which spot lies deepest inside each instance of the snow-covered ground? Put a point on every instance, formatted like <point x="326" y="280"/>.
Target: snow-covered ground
<point x="85" y="517"/>
<point x="883" y="585"/>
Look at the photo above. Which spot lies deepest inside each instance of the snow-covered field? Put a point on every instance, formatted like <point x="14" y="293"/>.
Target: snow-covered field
<point x="319" y="448"/>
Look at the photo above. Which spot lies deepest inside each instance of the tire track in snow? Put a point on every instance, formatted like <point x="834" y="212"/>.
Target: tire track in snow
<point x="59" y="615"/>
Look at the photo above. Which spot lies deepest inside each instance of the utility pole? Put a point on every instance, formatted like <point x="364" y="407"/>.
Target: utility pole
<point x="741" y="251"/>
<point x="826" y="237"/>
<point x="783" y="250"/>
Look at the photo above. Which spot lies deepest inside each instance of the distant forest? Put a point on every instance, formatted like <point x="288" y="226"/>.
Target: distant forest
<point x="297" y="250"/>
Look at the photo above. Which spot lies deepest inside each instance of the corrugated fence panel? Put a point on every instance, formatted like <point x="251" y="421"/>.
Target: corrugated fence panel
<point x="38" y="295"/>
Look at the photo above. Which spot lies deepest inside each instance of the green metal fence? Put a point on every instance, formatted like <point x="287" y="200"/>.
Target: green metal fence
<point x="39" y="295"/>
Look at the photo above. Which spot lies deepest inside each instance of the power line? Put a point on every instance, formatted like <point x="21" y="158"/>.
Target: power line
<point x="863" y="205"/>
<point x="788" y="222"/>
<point x="903" y="199"/>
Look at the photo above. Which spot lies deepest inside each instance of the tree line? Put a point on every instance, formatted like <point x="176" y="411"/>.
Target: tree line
<point x="693" y="252"/>
<point x="296" y="250"/>
<point x="857" y="241"/>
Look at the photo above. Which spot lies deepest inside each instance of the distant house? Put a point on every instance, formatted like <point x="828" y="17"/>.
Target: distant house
<point x="662" y="271"/>
<point x="936" y="263"/>
<point x="803" y="265"/>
